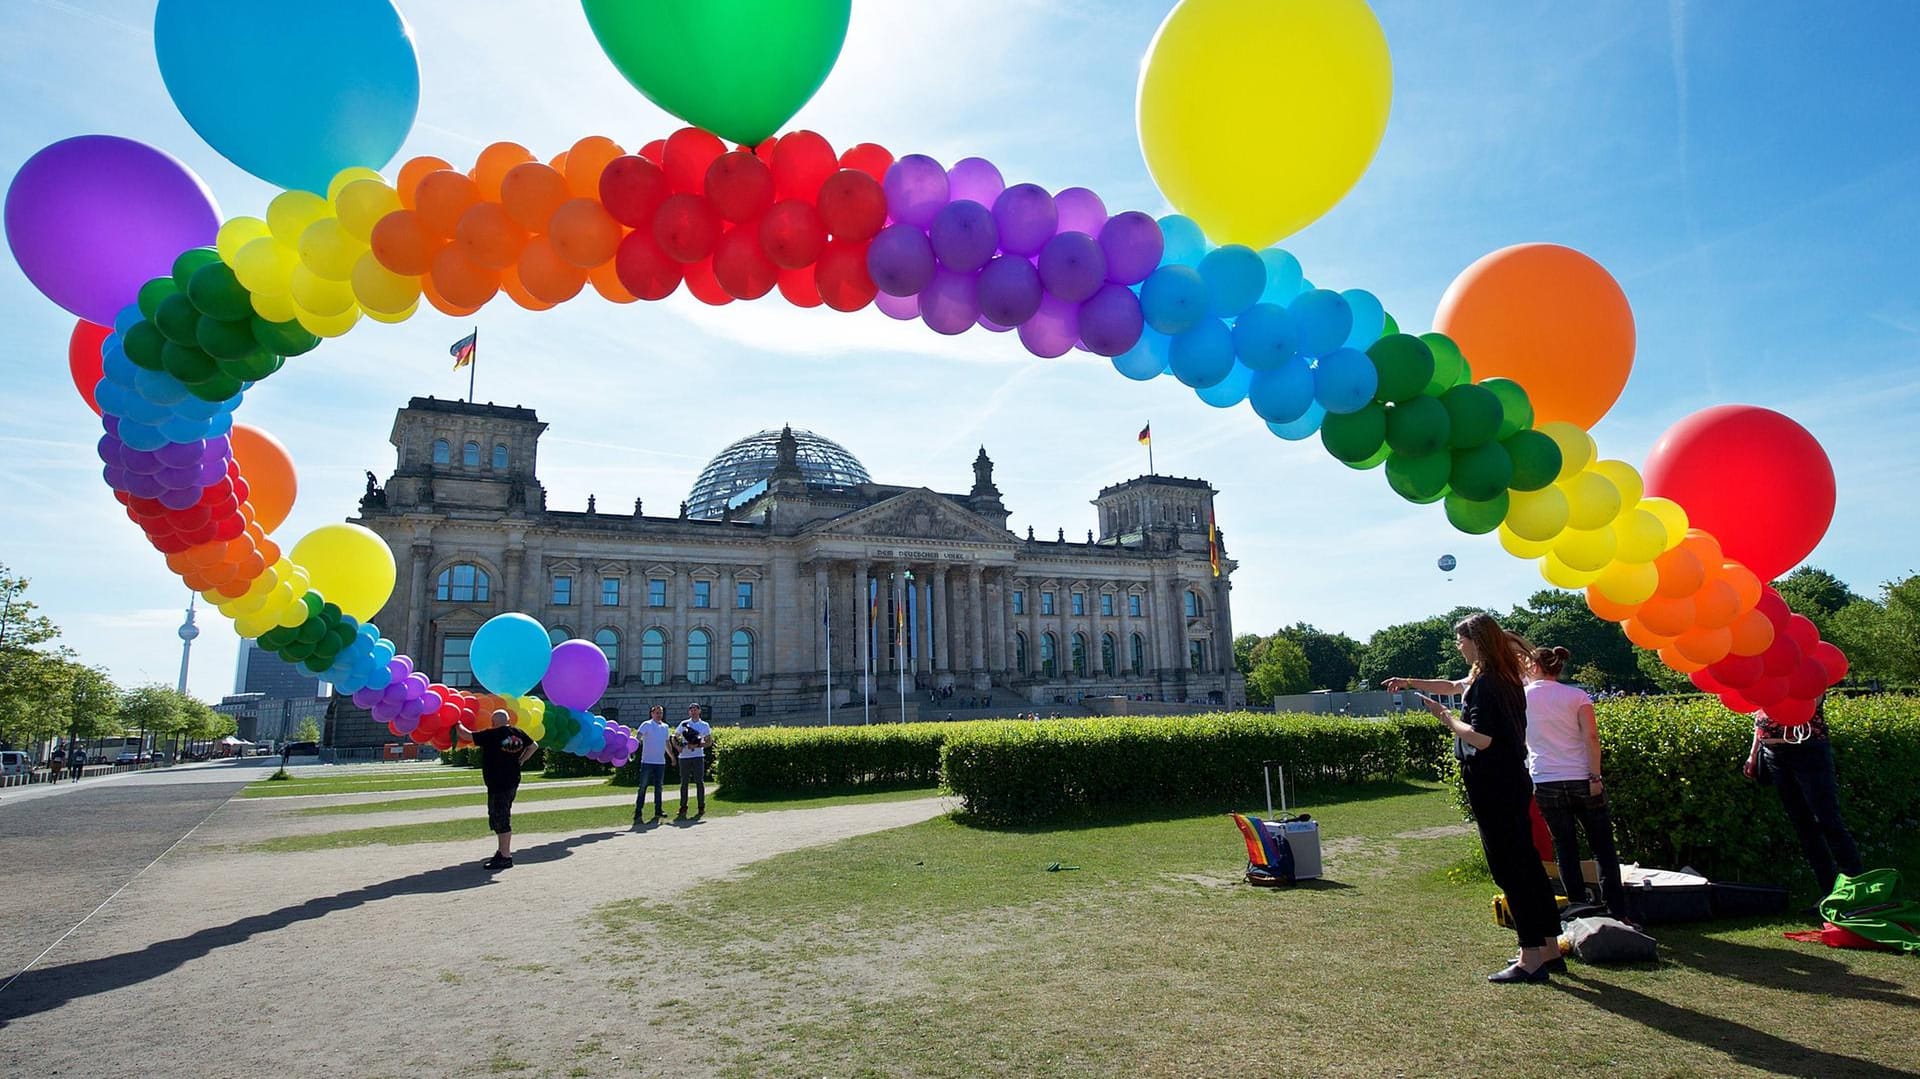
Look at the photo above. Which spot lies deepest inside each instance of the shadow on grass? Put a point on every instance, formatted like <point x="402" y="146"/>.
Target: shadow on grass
<point x="1800" y="970"/>
<point x="1083" y="818"/>
<point x="46" y="988"/>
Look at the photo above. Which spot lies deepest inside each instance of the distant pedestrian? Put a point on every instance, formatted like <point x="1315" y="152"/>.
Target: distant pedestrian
<point x="654" y="734"/>
<point x="503" y="749"/>
<point x="693" y="736"/>
<point x="76" y="764"/>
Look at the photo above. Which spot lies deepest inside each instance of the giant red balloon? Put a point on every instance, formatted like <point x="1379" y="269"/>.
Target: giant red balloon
<point x="1752" y="477"/>
<point x="83" y="359"/>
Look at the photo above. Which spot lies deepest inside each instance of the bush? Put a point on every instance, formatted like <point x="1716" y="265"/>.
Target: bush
<point x="462" y="757"/>
<point x="759" y="761"/>
<point x="1429" y="746"/>
<point x="1012" y="772"/>
<point x="566" y="765"/>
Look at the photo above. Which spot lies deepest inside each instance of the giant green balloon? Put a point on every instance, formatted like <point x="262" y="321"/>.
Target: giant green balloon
<point x="739" y="68"/>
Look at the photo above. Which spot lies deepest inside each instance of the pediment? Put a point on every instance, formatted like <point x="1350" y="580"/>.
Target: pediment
<point x="562" y="565"/>
<point x="917" y="515"/>
<point x="659" y="571"/>
<point x="460" y="620"/>
<point x="612" y="569"/>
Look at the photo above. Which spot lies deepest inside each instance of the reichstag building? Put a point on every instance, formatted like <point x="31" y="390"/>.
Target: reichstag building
<point x="785" y="564"/>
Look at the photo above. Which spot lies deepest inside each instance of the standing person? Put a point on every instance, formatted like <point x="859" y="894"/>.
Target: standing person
<point x="694" y="735"/>
<point x="654" y="734"/>
<point x="1801" y="767"/>
<point x="76" y="764"/>
<point x="1490" y="738"/>
<point x="503" y="749"/>
<point x="1563" y="756"/>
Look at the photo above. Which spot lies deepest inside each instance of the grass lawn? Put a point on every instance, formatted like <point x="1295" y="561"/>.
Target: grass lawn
<point x="363" y="783"/>
<point x="941" y="949"/>
<point x="475" y="796"/>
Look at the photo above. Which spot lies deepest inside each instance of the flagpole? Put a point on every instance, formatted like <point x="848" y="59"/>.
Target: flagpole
<point x="475" y="362"/>
<point x="866" y="663"/>
<point x="826" y="619"/>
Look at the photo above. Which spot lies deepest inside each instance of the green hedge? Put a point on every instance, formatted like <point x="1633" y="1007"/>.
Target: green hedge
<point x="1013" y="772"/>
<point x="756" y="761"/>
<point x="1429" y="746"/>
<point x="469" y="757"/>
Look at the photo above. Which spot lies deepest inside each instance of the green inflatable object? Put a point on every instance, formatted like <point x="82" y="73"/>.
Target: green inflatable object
<point x="1476" y="518"/>
<point x="177" y="320"/>
<point x="1481" y="473"/>
<point x="1418" y="427"/>
<point x="739" y="68"/>
<point x="1405" y="365"/>
<point x="1354" y="437"/>
<point x="1536" y="459"/>
<point x="1516" y="410"/>
<point x="1475" y="413"/>
<point x="1449" y="366"/>
<point x="1420" y="478"/>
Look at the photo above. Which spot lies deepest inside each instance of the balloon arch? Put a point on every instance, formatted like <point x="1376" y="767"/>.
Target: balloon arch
<point x="182" y="314"/>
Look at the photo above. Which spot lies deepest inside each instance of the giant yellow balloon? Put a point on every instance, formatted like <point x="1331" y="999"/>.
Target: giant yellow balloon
<point x="349" y="566"/>
<point x="1257" y="116"/>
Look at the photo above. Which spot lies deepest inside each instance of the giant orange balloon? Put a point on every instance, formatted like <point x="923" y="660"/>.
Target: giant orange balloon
<point x="268" y="469"/>
<point x="1551" y="319"/>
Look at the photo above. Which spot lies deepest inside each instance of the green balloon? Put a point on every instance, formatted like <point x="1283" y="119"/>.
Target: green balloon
<point x="330" y="614"/>
<point x="143" y="345"/>
<point x="1354" y="436"/>
<point x="283" y="338"/>
<point x="217" y="387"/>
<point x="1475" y="414"/>
<point x="314" y="604"/>
<point x="153" y="292"/>
<point x="1476" y="518"/>
<point x="1536" y="459"/>
<point x="188" y="364"/>
<point x="1389" y="325"/>
<point x="224" y="340"/>
<point x="739" y="68"/>
<point x="1372" y="460"/>
<point x="218" y="294"/>
<point x="190" y="261"/>
<point x="275" y="637"/>
<point x="1405" y="365"/>
<point x="178" y="320"/>
<point x="1516" y="410"/>
<point x="1418" y="427"/>
<point x="1481" y="473"/>
<point x="317" y="663"/>
<point x="1448" y="363"/>
<point x="1419" y="478"/>
<point x="252" y="367"/>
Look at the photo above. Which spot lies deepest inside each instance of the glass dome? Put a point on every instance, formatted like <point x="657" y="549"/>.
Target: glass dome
<point x="742" y="469"/>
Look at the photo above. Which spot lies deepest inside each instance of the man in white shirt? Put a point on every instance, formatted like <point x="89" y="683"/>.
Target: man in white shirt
<point x="653" y="763"/>
<point x="693" y="735"/>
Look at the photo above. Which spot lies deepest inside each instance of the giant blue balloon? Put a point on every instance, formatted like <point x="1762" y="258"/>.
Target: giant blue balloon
<point x="509" y="654"/>
<point x="291" y="92"/>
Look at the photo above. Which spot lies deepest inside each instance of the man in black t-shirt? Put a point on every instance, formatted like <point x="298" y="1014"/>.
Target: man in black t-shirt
<point x="503" y="749"/>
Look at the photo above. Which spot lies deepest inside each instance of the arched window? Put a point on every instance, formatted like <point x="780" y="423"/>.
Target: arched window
<point x="1080" y="655"/>
<point x="558" y="634"/>
<point x="609" y="642"/>
<point x="1139" y="650"/>
<point x="1194" y="607"/>
<point x="464" y="582"/>
<point x="1109" y="661"/>
<point x="470" y="455"/>
<point x="699" y="672"/>
<point x="499" y="457"/>
<point x="653" y="658"/>
<point x="442" y="453"/>
<point x="1020" y="652"/>
<point x="742" y="665"/>
<point x="1046" y="654"/>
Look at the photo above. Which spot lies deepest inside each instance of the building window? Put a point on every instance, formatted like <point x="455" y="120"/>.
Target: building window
<point x="1139" y="649"/>
<point x="559" y="634"/>
<point x="1046" y="603"/>
<point x="1133" y="606"/>
<point x="1079" y="655"/>
<point x="742" y="656"/>
<point x="609" y="591"/>
<point x="470" y="455"/>
<point x="1197" y="655"/>
<point x="703" y="593"/>
<point x="442" y="453"/>
<point x="456" y="670"/>
<point x="656" y="593"/>
<point x="1109" y="662"/>
<point x="698" y="672"/>
<point x="1046" y="654"/>
<point x="1079" y="603"/>
<point x="1020" y="652"/>
<point x="1193" y="605"/>
<point x="563" y="590"/>
<point x="499" y="457"/>
<point x="743" y="595"/>
<point x="1019" y="601"/>
<point x="464" y="582"/>
<point x="1106" y="604"/>
<point x="609" y="642"/>
<point x="653" y="658"/>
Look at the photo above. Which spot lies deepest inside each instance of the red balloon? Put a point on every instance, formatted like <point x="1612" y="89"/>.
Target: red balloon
<point x="1738" y="672"/>
<point x="1808" y="679"/>
<point x="686" y="157"/>
<point x="799" y="288"/>
<point x="1781" y="657"/>
<point x="1794" y="710"/>
<point x="632" y="189"/>
<point x="793" y="234"/>
<point x="1774" y="608"/>
<point x="1753" y="478"/>
<point x="1803" y="632"/>
<point x="1736" y="702"/>
<point x="842" y="277"/>
<point x="1705" y="682"/>
<point x="1767" y="691"/>
<point x="853" y="206"/>
<point x="83" y="359"/>
<point x="802" y="161"/>
<point x="870" y="158"/>
<point x="741" y="267"/>
<point x="655" y="151"/>
<point x="645" y="270"/>
<point x="686" y="228"/>
<point x="740" y="186"/>
<point x="1832" y="660"/>
<point x="705" y="286"/>
<point x="764" y="151"/>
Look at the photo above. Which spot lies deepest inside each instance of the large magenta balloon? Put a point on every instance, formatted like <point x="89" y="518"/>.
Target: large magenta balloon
<point x="576" y="675"/>
<point x="92" y="218"/>
<point x="1752" y="477"/>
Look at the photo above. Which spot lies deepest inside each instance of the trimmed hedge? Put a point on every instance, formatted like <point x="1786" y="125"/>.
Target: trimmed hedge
<point x="469" y="757"/>
<point x="757" y="761"/>
<point x="1429" y="746"/>
<point x="1014" y="773"/>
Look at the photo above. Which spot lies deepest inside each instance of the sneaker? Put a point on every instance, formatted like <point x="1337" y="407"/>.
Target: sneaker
<point x="497" y="863"/>
<point x="1518" y="973"/>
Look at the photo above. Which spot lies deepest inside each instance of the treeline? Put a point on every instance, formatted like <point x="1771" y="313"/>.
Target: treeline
<point x="46" y="693"/>
<point x="1880" y="636"/>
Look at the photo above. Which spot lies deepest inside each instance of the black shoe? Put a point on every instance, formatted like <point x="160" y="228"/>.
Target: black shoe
<point x="497" y="863"/>
<point x="1518" y="973"/>
<point x="682" y="815"/>
<point x="1558" y="964"/>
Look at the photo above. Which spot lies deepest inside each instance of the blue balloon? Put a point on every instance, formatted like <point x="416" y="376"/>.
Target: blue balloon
<point x="1234" y="275"/>
<point x="1283" y="395"/>
<point x="184" y="430"/>
<point x="159" y="387"/>
<point x="1202" y="355"/>
<point x="1344" y="381"/>
<point x="141" y="436"/>
<point x="126" y="319"/>
<point x="1263" y="337"/>
<point x="1147" y="359"/>
<point x="291" y="92"/>
<point x="1283" y="276"/>
<point x="114" y="365"/>
<point x="1321" y="321"/>
<point x="1185" y="244"/>
<point x="1173" y="298"/>
<point x="1305" y="427"/>
<point x="1369" y="318"/>
<point x="220" y="424"/>
<point x="509" y="653"/>
<point x="1230" y="390"/>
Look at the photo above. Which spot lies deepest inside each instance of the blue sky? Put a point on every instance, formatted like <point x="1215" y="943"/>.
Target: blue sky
<point x="1747" y="170"/>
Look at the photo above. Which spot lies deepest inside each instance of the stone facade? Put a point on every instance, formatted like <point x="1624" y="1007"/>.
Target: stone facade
<point x="735" y="612"/>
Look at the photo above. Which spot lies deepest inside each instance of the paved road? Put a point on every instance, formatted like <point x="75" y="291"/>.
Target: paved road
<point x="65" y="850"/>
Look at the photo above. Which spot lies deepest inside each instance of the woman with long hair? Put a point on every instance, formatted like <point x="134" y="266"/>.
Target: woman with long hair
<point x="1563" y="757"/>
<point x="1490" y="739"/>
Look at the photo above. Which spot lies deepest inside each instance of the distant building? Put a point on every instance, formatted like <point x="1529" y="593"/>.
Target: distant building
<point x="270" y="696"/>
<point x="260" y="671"/>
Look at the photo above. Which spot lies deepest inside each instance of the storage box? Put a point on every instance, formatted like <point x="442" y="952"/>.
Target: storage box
<point x="1303" y="836"/>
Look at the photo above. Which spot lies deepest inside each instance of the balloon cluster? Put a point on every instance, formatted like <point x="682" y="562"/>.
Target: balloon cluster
<point x="307" y="264"/>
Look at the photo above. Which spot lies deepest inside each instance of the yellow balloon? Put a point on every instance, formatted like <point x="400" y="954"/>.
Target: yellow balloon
<point x="237" y="234"/>
<point x="1520" y="547"/>
<point x="1576" y="446"/>
<point x="1593" y="502"/>
<point x="1257" y="116"/>
<point x="318" y="296"/>
<point x="290" y="212"/>
<point x="1539" y="515"/>
<point x="252" y="625"/>
<point x="292" y="615"/>
<point x="361" y="204"/>
<point x="396" y="317"/>
<point x="1560" y="574"/>
<point x="1625" y="479"/>
<point x="327" y="325"/>
<point x="274" y="306"/>
<point x="1628" y="583"/>
<point x="264" y="264"/>
<point x="1586" y="550"/>
<point x="1673" y="518"/>
<point x="349" y="565"/>
<point x="380" y="290"/>
<point x="352" y="174"/>
<point x="327" y="250"/>
<point x="1640" y="536"/>
<point x="533" y="709"/>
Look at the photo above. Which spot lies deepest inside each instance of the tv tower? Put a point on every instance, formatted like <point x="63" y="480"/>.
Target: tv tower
<point x="188" y="631"/>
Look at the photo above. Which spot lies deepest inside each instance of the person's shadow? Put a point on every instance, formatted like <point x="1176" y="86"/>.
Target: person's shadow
<point x="45" y="988"/>
<point x="1802" y="970"/>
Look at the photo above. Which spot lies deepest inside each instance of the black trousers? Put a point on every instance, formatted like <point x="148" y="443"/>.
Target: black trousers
<point x="1570" y="805"/>
<point x="1809" y="792"/>
<point x="500" y="794"/>
<point x="1499" y="793"/>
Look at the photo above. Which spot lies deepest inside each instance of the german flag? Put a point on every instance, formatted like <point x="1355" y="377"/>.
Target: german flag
<point x="1213" y="545"/>
<point x="1146" y="435"/>
<point x="463" y="349"/>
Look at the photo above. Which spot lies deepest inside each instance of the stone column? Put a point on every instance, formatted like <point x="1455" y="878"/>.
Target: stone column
<point x="723" y="621"/>
<point x="1182" y="658"/>
<point x="976" y="620"/>
<point x="1002" y="654"/>
<point x="514" y="568"/>
<point x="681" y="583"/>
<point x="861" y="625"/>
<point x="942" y="635"/>
<point x="823" y="658"/>
<point x="1033" y="624"/>
<point x="1123" y="637"/>
<point x="419" y="597"/>
<point x="923" y="622"/>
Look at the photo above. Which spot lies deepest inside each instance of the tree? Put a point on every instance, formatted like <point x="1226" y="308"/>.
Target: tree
<point x="307" y="731"/>
<point x="1243" y="647"/>
<point x="1664" y="678"/>
<point x="31" y="677"/>
<point x="1815" y="593"/>
<point x="1333" y="659"/>
<point x="1281" y="670"/>
<point x="1422" y="649"/>
<point x="1600" y="649"/>
<point x="1881" y="639"/>
<point x="91" y="702"/>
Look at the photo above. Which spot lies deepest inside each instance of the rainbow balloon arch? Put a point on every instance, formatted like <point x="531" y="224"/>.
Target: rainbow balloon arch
<point x="182" y="315"/>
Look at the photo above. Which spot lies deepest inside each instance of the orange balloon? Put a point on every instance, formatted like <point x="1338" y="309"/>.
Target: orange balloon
<point x="1705" y="646"/>
<point x="441" y="303"/>
<point x="584" y="233"/>
<point x="549" y="277"/>
<point x="607" y="283"/>
<point x="531" y="193"/>
<point x="492" y="165"/>
<point x="1551" y="319"/>
<point x="462" y="282"/>
<point x="488" y="237"/>
<point x="1706" y="547"/>
<point x="586" y="161"/>
<point x="1607" y="610"/>
<point x="559" y="162"/>
<point x="401" y="243"/>
<point x="444" y="196"/>
<point x="1744" y="583"/>
<point x="517" y="291"/>
<point x="1666" y="616"/>
<point x="1672" y="657"/>
<point x="1715" y="605"/>
<point x="1681" y="572"/>
<point x="1639" y="634"/>
<point x="268" y="469"/>
<point x="1752" y="633"/>
<point x="412" y="173"/>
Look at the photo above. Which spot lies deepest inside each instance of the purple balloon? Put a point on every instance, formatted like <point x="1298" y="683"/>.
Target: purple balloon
<point x="404" y="723"/>
<point x="1072" y="267"/>
<point x="142" y="462"/>
<point x="1053" y="329"/>
<point x="576" y="675"/>
<point x="366" y="698"/>
<point x="1010" y="290"/>
<point x="950" y="303"/>
<point x="975" y="178"/>
<point x="147" y="487"/>
<point x="1133" y="245"/>
<point x="916" y="188"/>
<point x="180" y="479"/>
<point x="180" y="454"/>
<point x="1026" y="218"/>
<point x="1080" y="211"/>
<point x="431" y="701"/>
<point x="1110" y="322"/>
<point x="400" y="666"/>
<point x="904" y="308"/>
<point x="900" y="260"/>
<point x="990" y="326"/>
<point x="177" y="498"/>
<point x="963" y="236"/>
<point x="92" y="218"/>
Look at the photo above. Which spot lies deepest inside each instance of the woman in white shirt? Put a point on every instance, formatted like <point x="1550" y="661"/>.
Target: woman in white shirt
<point x="1563" y="756"/>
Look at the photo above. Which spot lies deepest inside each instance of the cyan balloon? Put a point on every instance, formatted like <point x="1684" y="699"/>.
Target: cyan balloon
<point x="509" y="654"/>
<point x="1369" y="318"/>
<point x="1147" y="359"/>
<point x="1321" y="321"/>
<point x="1263" y="337"/>
<point x="1203" y="355"/>
<point x="1186" y="245"/>
<point x="1344" y="381"/>
<point x="1235" y="277"/>
<point x="1284" y="394"/>
<point x="1304" y="427"/>
<point x="1284" y="277"/>
<point x="1173" y="298"/>
<point x="1230" y="390"/>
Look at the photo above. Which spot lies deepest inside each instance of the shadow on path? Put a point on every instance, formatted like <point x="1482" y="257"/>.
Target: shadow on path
<point x="45" y="988"/>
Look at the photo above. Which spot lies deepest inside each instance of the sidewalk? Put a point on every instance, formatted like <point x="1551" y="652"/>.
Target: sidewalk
<point x="192" y="772"/>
